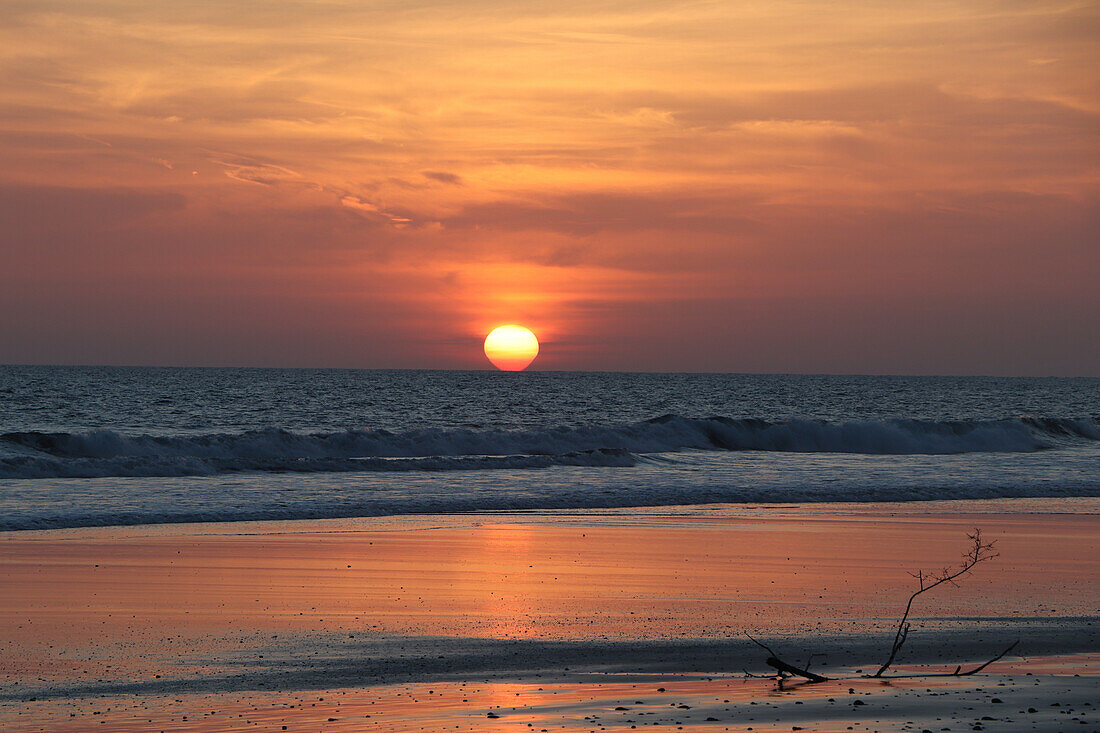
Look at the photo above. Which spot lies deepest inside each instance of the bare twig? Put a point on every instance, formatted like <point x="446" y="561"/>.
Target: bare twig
<point x="979" y="552"/>
<point x="760" y="644"/>
<point x="958" y="669"/>
<point x="810" y="659"/>
<point x="979" y="668"/>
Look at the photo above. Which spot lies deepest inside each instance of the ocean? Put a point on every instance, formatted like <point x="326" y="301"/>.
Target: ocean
<point x="107" y="446"/>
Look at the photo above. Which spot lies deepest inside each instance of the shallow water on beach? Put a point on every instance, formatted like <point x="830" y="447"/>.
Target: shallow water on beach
<point x="100" y="446"/>
<point x="552" y="619"/>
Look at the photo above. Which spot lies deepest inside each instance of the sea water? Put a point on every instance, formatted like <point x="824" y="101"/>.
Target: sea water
<point x="98" y="446"/>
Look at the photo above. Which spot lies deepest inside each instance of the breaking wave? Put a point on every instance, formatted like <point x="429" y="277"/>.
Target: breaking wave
<point x="105" y="453"/>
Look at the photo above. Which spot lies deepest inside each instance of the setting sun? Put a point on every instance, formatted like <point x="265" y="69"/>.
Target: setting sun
<point x="511" y="348"/>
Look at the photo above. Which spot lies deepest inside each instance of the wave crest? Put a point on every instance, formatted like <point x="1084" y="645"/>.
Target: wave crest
<point x="101" y="453"/>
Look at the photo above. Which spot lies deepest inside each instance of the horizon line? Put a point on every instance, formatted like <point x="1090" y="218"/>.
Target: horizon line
<point x="491" y="370"/>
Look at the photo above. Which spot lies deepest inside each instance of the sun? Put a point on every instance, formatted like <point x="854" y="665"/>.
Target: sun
<point x="511" y="348"/>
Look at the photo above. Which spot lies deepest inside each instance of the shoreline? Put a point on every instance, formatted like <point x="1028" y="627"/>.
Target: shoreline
<point x="1045" y="505"/>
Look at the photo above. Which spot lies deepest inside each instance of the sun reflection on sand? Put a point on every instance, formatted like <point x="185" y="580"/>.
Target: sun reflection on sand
<point x="510" y="610"/>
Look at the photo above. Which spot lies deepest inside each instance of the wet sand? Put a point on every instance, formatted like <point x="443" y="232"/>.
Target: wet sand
<point x="549" y="619"/>
<point x="1007" y="701"/>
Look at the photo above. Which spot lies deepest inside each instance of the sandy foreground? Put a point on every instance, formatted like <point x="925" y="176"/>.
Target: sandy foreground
<point x="610" y="620"/>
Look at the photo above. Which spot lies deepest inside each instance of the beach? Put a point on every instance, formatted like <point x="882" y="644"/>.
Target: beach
<point x="553" y="619"/>
<point x="549" y="366"/>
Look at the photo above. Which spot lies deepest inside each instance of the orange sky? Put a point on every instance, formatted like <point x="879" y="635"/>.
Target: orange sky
<point x="697" y="186"/>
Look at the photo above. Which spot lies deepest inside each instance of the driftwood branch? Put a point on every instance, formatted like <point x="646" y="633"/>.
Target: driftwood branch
<point x="979" y="552"/>
<point x="782" y="667"/>
<point x="958" y="670"/>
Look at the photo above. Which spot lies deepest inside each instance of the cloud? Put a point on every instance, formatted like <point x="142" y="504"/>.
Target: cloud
<point x="627" y="165"/>
<point x="237" y="105"/>
<point x="588" y="214"/>
<point x="360" y="204"/>
<point x="448" y="178"/>
<point x="250" y="170"/>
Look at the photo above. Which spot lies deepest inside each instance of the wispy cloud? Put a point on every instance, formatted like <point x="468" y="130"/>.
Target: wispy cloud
<point x="574" y="164"/>
<point x="442" y="177"/>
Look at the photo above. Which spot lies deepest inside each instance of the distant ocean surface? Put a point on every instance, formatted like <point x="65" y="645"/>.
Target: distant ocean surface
<point x="100" y="446"/>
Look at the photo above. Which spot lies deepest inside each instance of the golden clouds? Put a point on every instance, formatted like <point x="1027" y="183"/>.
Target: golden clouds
<point x="561" y="161"/>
